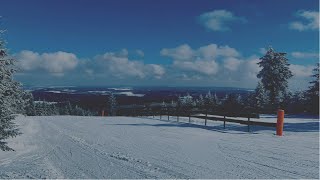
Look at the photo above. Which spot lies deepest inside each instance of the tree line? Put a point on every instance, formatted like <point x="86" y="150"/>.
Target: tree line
<point x="43" y="108"/>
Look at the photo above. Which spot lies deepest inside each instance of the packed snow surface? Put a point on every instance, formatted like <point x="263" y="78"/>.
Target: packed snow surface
<point x="128" y="147"/>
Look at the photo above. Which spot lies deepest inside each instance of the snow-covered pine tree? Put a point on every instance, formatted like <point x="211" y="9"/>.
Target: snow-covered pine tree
<point x="188" y="100"/>
<point x="261" y="99"/>
<point x="250" y="103"/>
<point x="274" y="75"/>
<point x="51" y="109"/>
<point x="69" y="108"/>
<point x="45" y="108"/>
<point x="10" y="97"/>
<point x="55" y="110"/>
<point x="30" y="109"/>
<point x="313" y="91"/>
<point x="112" y="104"/>
<point x="233" y="104"/>
<point x="239" y="99"/>
<point x="200" y="102"/>
<point x="78" y="111"/>
<point x="173" y="104"/>
<point x="187" y="103"/>
<point x="209" y="102"/>
<point x="296" y="102"/>
<point x="179" y="105"/>
<point x="65" y="110"/>
<point x="216" y="100"/>
<point x="37" y="109"/>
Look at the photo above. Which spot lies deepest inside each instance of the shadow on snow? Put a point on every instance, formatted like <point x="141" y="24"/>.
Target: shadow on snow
<point x="241" y="129"/>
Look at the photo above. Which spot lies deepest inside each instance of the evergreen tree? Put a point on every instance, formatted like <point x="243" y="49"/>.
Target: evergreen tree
<point x="231" y="104"/>
<point x="112" y="104"/>
<point x="239" y="99"/>
<point x="200" y="102"/>
<point x="65" y="110"/>
<point x="45" y="109"/>
<point x="209" y="102"/>
<point x="187" y="103"/>
<point x="179" y="105"/>
<point x="78" y="111"/>
<point x="216" y="100"/>
<point x="69" y="109"/>
<point x="37" y="109"/>
<point x="296" y="102"/>
<point x="313" y="91"/>
<point x="30" y="109"/>
<point x="261" y="99"/>
<point x="55" y="110"/>
<point x="10" y="97"/>
<point x="250" y="103"/>
<point x="274" y="75"/>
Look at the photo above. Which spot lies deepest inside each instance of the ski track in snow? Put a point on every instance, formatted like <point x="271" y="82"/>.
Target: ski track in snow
<point x="126" y="147"/>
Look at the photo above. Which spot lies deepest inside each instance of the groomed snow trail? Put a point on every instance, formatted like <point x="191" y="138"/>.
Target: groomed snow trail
<point x="124" y="147"/>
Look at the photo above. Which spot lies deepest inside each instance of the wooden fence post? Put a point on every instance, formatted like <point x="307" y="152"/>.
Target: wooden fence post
<point x="189" y="118"/>
<point x="248" y="124"/>
<point x="224" y="122"/>
<point x="206" y="116"/>
<point x="205" y="121"/>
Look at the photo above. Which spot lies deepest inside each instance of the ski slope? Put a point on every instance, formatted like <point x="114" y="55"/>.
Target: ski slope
<point x="127" y="147"/>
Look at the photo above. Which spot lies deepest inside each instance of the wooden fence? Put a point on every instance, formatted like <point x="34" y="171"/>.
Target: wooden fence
<point x="200" y="114"/>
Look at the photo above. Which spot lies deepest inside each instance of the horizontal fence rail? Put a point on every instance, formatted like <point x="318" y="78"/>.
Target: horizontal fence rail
<point x="257" y="123"/>
<point x="166" y="112"/>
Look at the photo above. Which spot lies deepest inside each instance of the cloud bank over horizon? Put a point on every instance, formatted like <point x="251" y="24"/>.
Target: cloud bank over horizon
<point x="208" y="65"/>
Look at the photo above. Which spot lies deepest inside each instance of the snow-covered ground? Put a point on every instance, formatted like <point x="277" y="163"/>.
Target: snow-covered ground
<point x="127" y="147"/>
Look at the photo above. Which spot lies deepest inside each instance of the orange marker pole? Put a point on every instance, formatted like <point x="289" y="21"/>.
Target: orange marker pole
<point x="280" y="122"/>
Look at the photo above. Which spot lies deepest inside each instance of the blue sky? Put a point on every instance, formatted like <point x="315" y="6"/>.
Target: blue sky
<point x="137" y="42"/>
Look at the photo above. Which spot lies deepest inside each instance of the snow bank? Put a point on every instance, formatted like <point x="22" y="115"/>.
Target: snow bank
<point x="124" y="147"/>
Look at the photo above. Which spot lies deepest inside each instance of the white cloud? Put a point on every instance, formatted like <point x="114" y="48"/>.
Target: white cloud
<point x="201" y="60"/>
<point x="156" y="69"/>
<point x="118" y="64"/>
<point x="212" y="51"/>
<point x="263" y="51"/>
<point x="300" y="71"/>
<point x="311" y="21"/>
<point x="232" y="64"/>
<point x="219" y="20"/>
<point x="56" y="63"/>
<point x="301" y="76"/>
<point x="186" y="53"/>
<point x="140" y="53"/>
<point x="111" y="64"/>
<point x="183" y="52"/>
<point x="202" y="67"/>
<point x="304" y="55"/>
